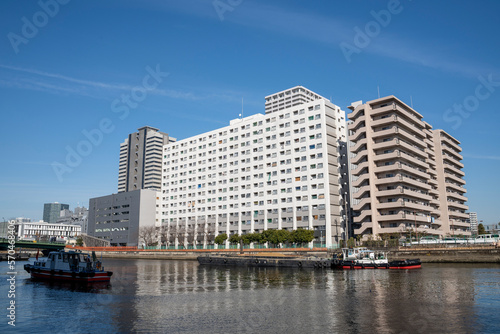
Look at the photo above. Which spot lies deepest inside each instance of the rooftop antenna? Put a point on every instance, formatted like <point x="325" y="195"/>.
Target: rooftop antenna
<point x="378" y="91"/>
<point x="411" y="101"/>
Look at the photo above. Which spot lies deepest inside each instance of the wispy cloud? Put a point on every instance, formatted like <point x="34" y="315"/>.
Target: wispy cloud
<point x="331" y="31"/>
<point x="55" y="83"/>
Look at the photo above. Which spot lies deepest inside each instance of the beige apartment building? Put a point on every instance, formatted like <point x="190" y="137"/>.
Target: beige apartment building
<point x="405" y="176"/>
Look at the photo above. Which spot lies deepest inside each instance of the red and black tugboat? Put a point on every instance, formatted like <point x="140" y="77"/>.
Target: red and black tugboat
<point x="363" y="258"/>
<point x="69" y="266"/>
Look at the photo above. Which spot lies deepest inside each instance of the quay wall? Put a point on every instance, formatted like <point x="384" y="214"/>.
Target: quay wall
<point x="452" y="255"/>
<point x="426" y="255"/>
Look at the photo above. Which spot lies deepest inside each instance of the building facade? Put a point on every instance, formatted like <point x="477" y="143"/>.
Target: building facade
<point x="279" y="170"/>
<point x="119" y="217"/>
<point x="473" y="222"/>
<point x="52" y="211"/>
<point x="79" y="216"/>
<point x="45" y="231"/>
<point x="451" y="184"/>
<point x="401" y="172"/>
<point x="140" y="159"/>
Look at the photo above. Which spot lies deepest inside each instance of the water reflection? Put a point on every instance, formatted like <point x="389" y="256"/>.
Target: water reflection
<point x="181" y="296"/>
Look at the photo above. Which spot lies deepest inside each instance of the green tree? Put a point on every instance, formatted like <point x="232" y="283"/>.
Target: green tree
<point x="300" y="236"/>
<point x="234" y="239"/>
<point x="283" y="236"/>
<point x="351" y="242"/>
<point x="481" y="229"/>
<point x="269" y="236"/>
<point x="221" y="238"/>
<point x="255" y="237"/>
<point x="246" y="238"/>
<point x="79" y="241"/>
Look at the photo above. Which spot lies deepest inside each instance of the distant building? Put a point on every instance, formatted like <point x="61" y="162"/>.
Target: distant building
<point x="45" y="231"/>
<point x="77" y="217"/>
<point x="118" y="217"/>
<point x="52" y="211"/>
<point x="473" y="222"/>
<point x="140" y="160"/>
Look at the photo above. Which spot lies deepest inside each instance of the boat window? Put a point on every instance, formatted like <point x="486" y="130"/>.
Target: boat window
<point x="65" y="257"/>
<point x="59" y="256"/>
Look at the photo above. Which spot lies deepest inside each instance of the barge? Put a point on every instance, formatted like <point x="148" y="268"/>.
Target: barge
<point x="265" y="261"/>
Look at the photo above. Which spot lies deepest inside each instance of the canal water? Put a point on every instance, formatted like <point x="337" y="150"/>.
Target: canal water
<point x="158" y="296"/>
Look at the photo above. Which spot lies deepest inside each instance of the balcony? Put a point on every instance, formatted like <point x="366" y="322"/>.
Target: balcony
<point x="452" y="152"/>
<point x="358" y="145"/>
<point x="363" y="228"/>
<point x="413" y="149"/>
<point x="385" y="144"/>
<point x="415" y="183"/>
<point x="358" y="157"/>
<point x="453" y="214"/>
<point x="387" y="168"/>
<point x="414" y="171"/>
<point x="450" y="142"/>
<point x="357" y="134"/>
<point x="362" y="178"/>
<point x="361" y="204"/>
<point x="413" y="117"/>
<point x="454" y="178"/>
<point x="364" y="214"/>
<point x="391" y="192"/>
<point x="387" y="156"/>
<point x="456" y="196"/>
<point x="385" y="133"/>
<point x="455" y="187"/>
<point x="383" y="121"/>
<point x="452" y="161"/>
<point x="383" y="110"/>
<point x="361" y="191"/>
<point x="454" y="169"/>
<point x="457" y="205"/>
<point x="415" y="161"/>
<point x="356" y="113"/>
<point x="356" y="123"/>
<point x="360" y="168"/>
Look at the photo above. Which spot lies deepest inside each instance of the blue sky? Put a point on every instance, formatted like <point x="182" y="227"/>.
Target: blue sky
<point x="64" y="71"/>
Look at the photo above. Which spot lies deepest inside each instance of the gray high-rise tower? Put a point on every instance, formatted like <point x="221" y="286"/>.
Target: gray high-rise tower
<point x="52" y="211"/>
<point x="140" y="159"/>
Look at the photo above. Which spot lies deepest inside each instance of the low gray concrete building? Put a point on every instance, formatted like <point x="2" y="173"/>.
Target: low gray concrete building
<point x="118" y="217"/>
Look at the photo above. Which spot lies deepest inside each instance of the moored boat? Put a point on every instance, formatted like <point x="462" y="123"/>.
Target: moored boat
<point x="69" y="266"/>
<point x="265" y="261"/>
<point x="363" y="258"/>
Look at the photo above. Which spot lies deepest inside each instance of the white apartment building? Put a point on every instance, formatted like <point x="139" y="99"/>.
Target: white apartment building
<point x="473" y="222"/>
<point x="140" y="159"/>
<point x="279" y="170"/>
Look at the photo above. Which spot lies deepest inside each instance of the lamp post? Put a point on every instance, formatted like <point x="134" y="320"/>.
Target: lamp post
<point x="337" y="233"/>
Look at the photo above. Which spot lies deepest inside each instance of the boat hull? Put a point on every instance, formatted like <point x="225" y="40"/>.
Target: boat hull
<point x="256" y="261"/>
<point x="68" y="276"/>
<point x="397" y="264"/>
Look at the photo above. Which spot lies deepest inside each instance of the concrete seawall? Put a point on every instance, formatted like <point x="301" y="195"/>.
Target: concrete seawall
<point x="449" y="255"/>
<point x="483" y="255"/>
